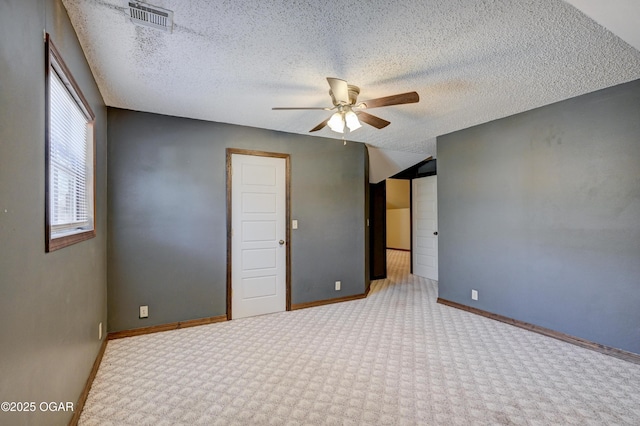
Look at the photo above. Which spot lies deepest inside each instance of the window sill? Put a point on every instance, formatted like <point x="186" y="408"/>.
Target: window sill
<point x="62" y="242"/>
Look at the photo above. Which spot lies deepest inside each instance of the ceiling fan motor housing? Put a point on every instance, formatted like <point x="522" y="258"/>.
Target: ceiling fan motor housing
<point x="354" y="91"/>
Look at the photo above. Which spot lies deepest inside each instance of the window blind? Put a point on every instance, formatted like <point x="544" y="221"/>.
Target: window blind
<point x="70" y="211"/>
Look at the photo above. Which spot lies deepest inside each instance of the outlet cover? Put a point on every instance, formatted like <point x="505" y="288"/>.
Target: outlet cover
<point x="144" y="312"/>
<point x="100" y="331"/>
<point x="338" y="285"/>
<point x="474" y="294"/>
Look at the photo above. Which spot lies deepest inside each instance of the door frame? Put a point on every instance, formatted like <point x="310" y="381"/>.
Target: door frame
<point x="287" y="157"/>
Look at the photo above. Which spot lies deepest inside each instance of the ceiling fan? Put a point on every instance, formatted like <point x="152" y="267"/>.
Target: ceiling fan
<point x="349" y="112"/>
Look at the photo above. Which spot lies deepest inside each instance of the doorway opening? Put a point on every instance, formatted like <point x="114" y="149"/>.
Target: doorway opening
<point x="398" y="238"/>
<point x="396" y="232"/>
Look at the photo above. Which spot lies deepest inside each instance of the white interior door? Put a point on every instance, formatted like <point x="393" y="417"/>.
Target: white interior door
<point x="425" y="227"/>
<point x="258" y="229"/>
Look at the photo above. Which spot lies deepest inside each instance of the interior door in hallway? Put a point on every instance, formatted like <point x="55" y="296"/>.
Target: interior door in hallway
<point x="258" y="229"/>
<point x="425" y="227"/>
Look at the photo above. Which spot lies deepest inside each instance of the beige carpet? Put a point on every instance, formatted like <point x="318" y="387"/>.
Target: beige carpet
<point x="396" y="357"/>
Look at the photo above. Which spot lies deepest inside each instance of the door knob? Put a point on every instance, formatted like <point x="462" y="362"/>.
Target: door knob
<point x="435" y="233"/>
<point x="281" y="242"/>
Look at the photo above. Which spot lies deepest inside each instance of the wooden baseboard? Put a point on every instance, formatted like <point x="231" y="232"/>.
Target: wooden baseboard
<point x="165" y="327"/>
<point x="297" y="306"/>
<point x="398" y="249"/>
<point x="87" y="386"/>
<point x="607" y="350"/>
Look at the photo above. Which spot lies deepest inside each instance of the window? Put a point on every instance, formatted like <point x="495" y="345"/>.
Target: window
<point x="69" y="210"/>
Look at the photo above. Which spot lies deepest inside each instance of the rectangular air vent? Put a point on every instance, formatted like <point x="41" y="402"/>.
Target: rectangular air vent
<point x="150" y="16"/>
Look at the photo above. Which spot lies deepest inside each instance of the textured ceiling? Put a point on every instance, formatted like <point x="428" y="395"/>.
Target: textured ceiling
<point x="622" y="17"/>
<point x="471" y="61"/>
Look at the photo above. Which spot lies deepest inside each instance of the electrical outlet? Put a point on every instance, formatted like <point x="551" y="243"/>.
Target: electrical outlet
<point x="474" y="294"/>
<point x="100" y="331"/>
<point x="294" y="224"/>
<point x="144" y="312"/>
<point x="338" y="284"/>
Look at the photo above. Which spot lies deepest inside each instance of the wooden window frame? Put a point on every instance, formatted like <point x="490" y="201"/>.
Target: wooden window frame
<point x="54" y="59"/>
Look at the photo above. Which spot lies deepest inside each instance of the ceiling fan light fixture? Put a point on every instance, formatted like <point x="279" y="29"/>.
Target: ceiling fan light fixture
<point x="336" y="122"/>
<point x="352" y="121"/>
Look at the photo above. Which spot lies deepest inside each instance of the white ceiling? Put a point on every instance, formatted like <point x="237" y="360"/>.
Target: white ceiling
<point x="622" y="17"/>
<point x="471" y="61"/>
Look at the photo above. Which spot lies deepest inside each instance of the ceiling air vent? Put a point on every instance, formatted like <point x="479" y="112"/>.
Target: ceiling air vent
<point x="150" y="16"/>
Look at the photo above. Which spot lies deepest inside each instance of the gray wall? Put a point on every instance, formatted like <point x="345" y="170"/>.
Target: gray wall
<point x="50" y="303"/>
<point x="167" y="215"/>
<point x="540" y="212"/>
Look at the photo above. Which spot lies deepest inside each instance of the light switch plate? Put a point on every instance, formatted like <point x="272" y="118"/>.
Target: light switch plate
<point x="294" y="224"/>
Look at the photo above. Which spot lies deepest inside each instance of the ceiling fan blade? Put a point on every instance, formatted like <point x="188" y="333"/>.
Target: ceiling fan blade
<point x="403" y="98"/>
<point x="340" y="90"/>
<point x="289" y="108"/>
<point x="320" y="126"/>
<point x="372" y="120"/>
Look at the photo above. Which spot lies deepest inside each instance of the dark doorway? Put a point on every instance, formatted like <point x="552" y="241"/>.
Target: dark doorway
<point x="378" y="230"/>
